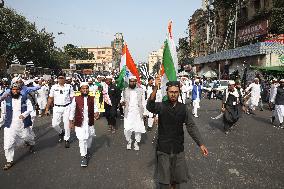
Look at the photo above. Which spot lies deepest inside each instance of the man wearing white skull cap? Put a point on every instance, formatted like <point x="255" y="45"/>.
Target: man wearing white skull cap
<point x="133" y="99"/>
<point x="82" y="115"/>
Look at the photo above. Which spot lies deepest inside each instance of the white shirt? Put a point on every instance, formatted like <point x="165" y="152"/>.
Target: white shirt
<point x="62" y="94"/>
<point x="43" y="92"/>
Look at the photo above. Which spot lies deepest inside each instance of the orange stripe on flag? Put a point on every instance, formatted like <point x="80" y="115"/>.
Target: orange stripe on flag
<point x="131" y="65"/>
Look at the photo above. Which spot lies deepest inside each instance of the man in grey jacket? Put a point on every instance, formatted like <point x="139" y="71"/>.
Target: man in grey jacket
<point x="173" y="115"/>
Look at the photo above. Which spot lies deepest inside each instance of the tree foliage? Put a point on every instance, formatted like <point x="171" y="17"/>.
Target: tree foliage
<point x="277" y="17"/>
<point x="20" y="38"/>
<point x="183" y="50"/>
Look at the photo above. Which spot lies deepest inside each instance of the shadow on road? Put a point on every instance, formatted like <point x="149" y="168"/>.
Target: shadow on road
<point x="100" y="142"/>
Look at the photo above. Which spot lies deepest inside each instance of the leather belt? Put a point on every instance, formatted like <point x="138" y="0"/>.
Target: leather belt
<point x="62" y="105"/>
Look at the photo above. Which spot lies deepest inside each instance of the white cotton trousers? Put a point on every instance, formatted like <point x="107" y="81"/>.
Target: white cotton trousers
<point x="58" y="114"/>
<point x="128" y="134"/>
<point x="14" y="136"/>
<point x="84" y="145"/>
<point x="150" y="121"/>
<point x="195" y="104"/>
<point x="280" y="112"/>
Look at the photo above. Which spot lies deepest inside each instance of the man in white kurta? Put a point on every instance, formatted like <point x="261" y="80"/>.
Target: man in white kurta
<point x="272" y="92"/>
<point x="133" y="98"/>
<point x="16" y="130"/>
<point x="84" y="132"/>
<point x="254" y="90"/>
<point x="42" y="96"/>
<point x="278" y="100"/>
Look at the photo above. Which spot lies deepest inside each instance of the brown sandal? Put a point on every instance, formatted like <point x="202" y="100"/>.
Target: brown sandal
<point x="8" y="165"/>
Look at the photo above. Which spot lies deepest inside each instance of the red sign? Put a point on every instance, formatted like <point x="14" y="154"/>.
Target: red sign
<point x="277" y="39"/>
<point x="253" y="31"/>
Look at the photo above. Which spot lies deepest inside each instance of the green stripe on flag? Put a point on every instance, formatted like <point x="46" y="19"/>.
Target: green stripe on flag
<point x="120" y="80"/>
<point x="169" y="63"/>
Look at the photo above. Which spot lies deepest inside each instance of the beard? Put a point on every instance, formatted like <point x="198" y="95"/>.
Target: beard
<point x="132" y="86"/>
<point x="15" y="96"/>
<point x="84" y="94"/>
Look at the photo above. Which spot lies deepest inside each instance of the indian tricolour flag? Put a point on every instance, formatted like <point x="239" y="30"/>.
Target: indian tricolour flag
<point x="127" y="68"/>
<point x="169" y="68"/>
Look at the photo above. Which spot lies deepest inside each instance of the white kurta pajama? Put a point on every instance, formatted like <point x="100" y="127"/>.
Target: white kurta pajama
<point x="254" y="95"/>
<point x="16" y="134"/>
<point x="84" y="133"/>
<point x="42" y="97"/>
<point x="196" y="103"/>
<point x="133" y="122"/>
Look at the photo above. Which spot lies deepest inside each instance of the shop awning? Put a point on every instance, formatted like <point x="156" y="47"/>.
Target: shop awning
<point x="244" y="51"/>
<point x="272" y="68"/>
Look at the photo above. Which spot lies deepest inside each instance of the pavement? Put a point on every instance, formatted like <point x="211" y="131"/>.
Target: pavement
<point x="250" y="156"/>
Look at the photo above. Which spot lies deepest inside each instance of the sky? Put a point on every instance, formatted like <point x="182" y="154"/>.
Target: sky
<point x="93" y="23"/>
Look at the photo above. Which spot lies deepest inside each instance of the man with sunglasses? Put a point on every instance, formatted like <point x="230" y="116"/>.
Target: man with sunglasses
<point x="61" y="95"/>
<point x="173" y="115"/>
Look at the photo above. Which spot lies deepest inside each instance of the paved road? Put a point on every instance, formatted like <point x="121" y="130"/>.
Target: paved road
<point x="251" y="156"/>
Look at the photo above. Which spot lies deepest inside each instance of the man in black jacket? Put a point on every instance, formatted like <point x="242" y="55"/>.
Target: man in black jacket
<point x="173" y="115"/>
<point x="111" y="110"/>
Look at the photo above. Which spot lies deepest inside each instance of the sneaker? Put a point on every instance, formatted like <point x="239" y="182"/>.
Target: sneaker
<point x="61" y="136"/>
<point x="84" y="161"/>
<point x="67" y="144"/>
<point x="196" y="116"/>
<point x="128" y="146"/>
<point x="226" y="132"/>
<point x="281" y="126"/>
<point x="136" y="146"/>
<point x="8" y="165"/>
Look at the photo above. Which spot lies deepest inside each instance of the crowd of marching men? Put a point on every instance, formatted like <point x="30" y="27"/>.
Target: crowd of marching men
<point x="79" y="103"/>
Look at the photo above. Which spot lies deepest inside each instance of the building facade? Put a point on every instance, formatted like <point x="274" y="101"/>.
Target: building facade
<point x="154" y="60"/>
<point x="239" y="37"/>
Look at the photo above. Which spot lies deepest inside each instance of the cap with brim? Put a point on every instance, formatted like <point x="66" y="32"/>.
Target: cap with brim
<point x="61" y="74"/>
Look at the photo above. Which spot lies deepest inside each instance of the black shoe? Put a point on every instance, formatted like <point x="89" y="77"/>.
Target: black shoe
<point x="272" y="119"/>
<point x="261" y="109"/>
<point x="67" y="144"/>
<point x="149" y="128"/>
<point x="61" y="136"/>
<point x="32" y="149"/>
<point x="84" y="161"/>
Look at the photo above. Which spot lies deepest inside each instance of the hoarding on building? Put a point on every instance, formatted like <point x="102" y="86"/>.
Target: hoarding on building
<point x="253" y="31"/>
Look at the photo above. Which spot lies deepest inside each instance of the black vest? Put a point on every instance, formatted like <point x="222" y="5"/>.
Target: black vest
<point x="279" y="100"/>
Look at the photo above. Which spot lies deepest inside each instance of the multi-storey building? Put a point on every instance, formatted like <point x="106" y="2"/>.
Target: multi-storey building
<point x="155" y="59"/>
<point x="240" y="37"/>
